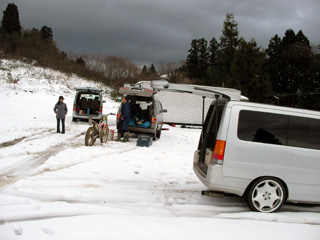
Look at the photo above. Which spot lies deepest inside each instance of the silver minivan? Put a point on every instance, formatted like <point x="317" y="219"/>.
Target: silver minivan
<point x="266" y="154"/>
<point x="88" y="103"/>
<point x="146" y="111"/>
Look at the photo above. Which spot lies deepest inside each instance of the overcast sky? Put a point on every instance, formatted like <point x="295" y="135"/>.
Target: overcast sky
<point x="149" y="31"/>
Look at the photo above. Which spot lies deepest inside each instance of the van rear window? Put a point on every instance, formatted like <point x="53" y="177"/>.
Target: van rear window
<point x="279" y="129"/>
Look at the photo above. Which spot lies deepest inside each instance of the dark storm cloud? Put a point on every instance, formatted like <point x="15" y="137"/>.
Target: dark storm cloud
<point x="148" y="31"/>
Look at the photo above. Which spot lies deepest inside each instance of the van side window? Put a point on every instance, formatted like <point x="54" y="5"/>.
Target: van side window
<point x="304" y="132"/>
<point x="279" y="129"/>
<point x="263" y="127"/>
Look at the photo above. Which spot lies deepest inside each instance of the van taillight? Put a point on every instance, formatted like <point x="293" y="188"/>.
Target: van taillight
<point x="100" y="109"/>
<point x="74" y="107"/>
<point x="118" y="116"/>
<point x="219" y="148"/>
<point x="154" y="120"/>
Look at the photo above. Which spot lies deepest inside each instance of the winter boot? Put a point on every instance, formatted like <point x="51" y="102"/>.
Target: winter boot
<point x="118" y="139"/>
<point x="125" y="137"/>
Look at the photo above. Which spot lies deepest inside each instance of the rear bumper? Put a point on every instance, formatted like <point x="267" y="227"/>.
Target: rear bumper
<point x="216" y="181"/>
<point x="141" y="130"/>
<point x="86" y="117"/>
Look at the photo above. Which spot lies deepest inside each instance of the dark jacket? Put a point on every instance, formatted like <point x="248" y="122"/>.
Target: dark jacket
<point x="60" y="110"/>
<point x="125" y="114"/>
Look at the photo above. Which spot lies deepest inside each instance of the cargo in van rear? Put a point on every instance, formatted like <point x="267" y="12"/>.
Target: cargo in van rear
<point x="88" y="103"/>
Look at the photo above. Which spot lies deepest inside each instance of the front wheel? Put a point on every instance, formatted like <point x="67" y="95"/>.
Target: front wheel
<point x="91" y="136"/>
<point x="104" y="135"/>
<point x="266" y="194"/>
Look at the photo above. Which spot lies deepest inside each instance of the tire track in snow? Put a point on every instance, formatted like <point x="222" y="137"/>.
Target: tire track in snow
<point x="18" y="140"/>
<point x="29" y="168"/>
<point x="25" y="169"/>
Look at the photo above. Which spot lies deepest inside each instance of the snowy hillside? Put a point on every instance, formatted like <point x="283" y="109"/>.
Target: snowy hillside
<point x="54" y="187"/>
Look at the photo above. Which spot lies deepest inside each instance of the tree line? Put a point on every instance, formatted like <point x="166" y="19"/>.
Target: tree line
<point x="39" y="46"/>
<point x="286" y="73"/>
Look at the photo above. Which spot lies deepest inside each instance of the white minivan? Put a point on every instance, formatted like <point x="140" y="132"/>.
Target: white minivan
<point x="267" y="154"/>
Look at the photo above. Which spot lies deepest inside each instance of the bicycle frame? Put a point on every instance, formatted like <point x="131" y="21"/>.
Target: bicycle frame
<point x="103" y="124"/>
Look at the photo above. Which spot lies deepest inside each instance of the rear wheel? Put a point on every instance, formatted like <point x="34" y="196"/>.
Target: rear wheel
<point x="158" y="134"/>
<point x="91" y="136"/>
<point x="104" y="135"/>
<point x="266" y="194"/>
<point x="154" y="136"/>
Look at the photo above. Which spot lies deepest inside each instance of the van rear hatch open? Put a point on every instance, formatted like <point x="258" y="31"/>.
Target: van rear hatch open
<point x="134" y="91"/>
<point x="210" y="148"/>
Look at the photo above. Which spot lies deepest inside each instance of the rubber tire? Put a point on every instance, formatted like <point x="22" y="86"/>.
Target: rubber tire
<point x="278" y="186"/>
<point x="104" y="135"/>
<point x="154" y="136"/>
<point x="91" y="136"/>
<point x="158" y="134"/>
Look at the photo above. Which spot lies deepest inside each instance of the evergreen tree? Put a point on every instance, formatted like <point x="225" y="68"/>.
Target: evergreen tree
<point x="229" y="41"/>
<point x="203" y="58"/>
<point x="213" y="47"/>
<point x="289" y="38"/>
<point x="247" y="71"/>
<point x="193" y="60"/>
<point x="10" y="20"/>
<point x="198" y="60"/>
<point x="46" y="33"/>
<point x="152" y="71"/>
<point x="80" y="61"/>
<point x="291" y="66"/>
<point x="144" y="71"/>
<point x="275" y="64"/>
<point x="297" y="56"/>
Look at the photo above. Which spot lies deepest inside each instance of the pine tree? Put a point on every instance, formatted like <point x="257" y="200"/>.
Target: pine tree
<point x="203" y="58"/>
<point x="247" y="71"/>
<point x="213" y="47"/>
<point x="80" y="61"/>
<point x="152" y="71"/>
<point x="193" y="60"/>
<point x="144" y="71"/>
<point x="229" y="41"/>
<point x="46" y="33"/>
<point x="289" y="38"/>
<point x="10" y="20"/>
<point x="290" y="67"/>
<point x="297" y="57"/>
<point x="275" y="64"/>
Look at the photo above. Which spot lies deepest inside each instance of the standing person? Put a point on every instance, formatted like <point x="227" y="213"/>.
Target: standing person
<point x="124" y="121"/>
<point x="61" y="111"/>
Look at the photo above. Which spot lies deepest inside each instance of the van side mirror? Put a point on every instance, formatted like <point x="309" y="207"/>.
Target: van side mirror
<point x="163" y="110"/>
<point x="104" y="101"/>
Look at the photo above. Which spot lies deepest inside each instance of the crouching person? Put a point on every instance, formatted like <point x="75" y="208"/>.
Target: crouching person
<point x="124" y="121"/>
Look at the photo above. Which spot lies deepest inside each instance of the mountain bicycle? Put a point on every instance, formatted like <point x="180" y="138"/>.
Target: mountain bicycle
<point x="98" y="130"/>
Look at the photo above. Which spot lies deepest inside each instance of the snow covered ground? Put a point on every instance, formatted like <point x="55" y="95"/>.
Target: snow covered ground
<point x="54" y="187"/>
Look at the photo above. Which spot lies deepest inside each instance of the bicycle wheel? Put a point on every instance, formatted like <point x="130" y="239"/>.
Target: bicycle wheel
<point x="91" y="136"/>
<point x="104" y="135"/>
